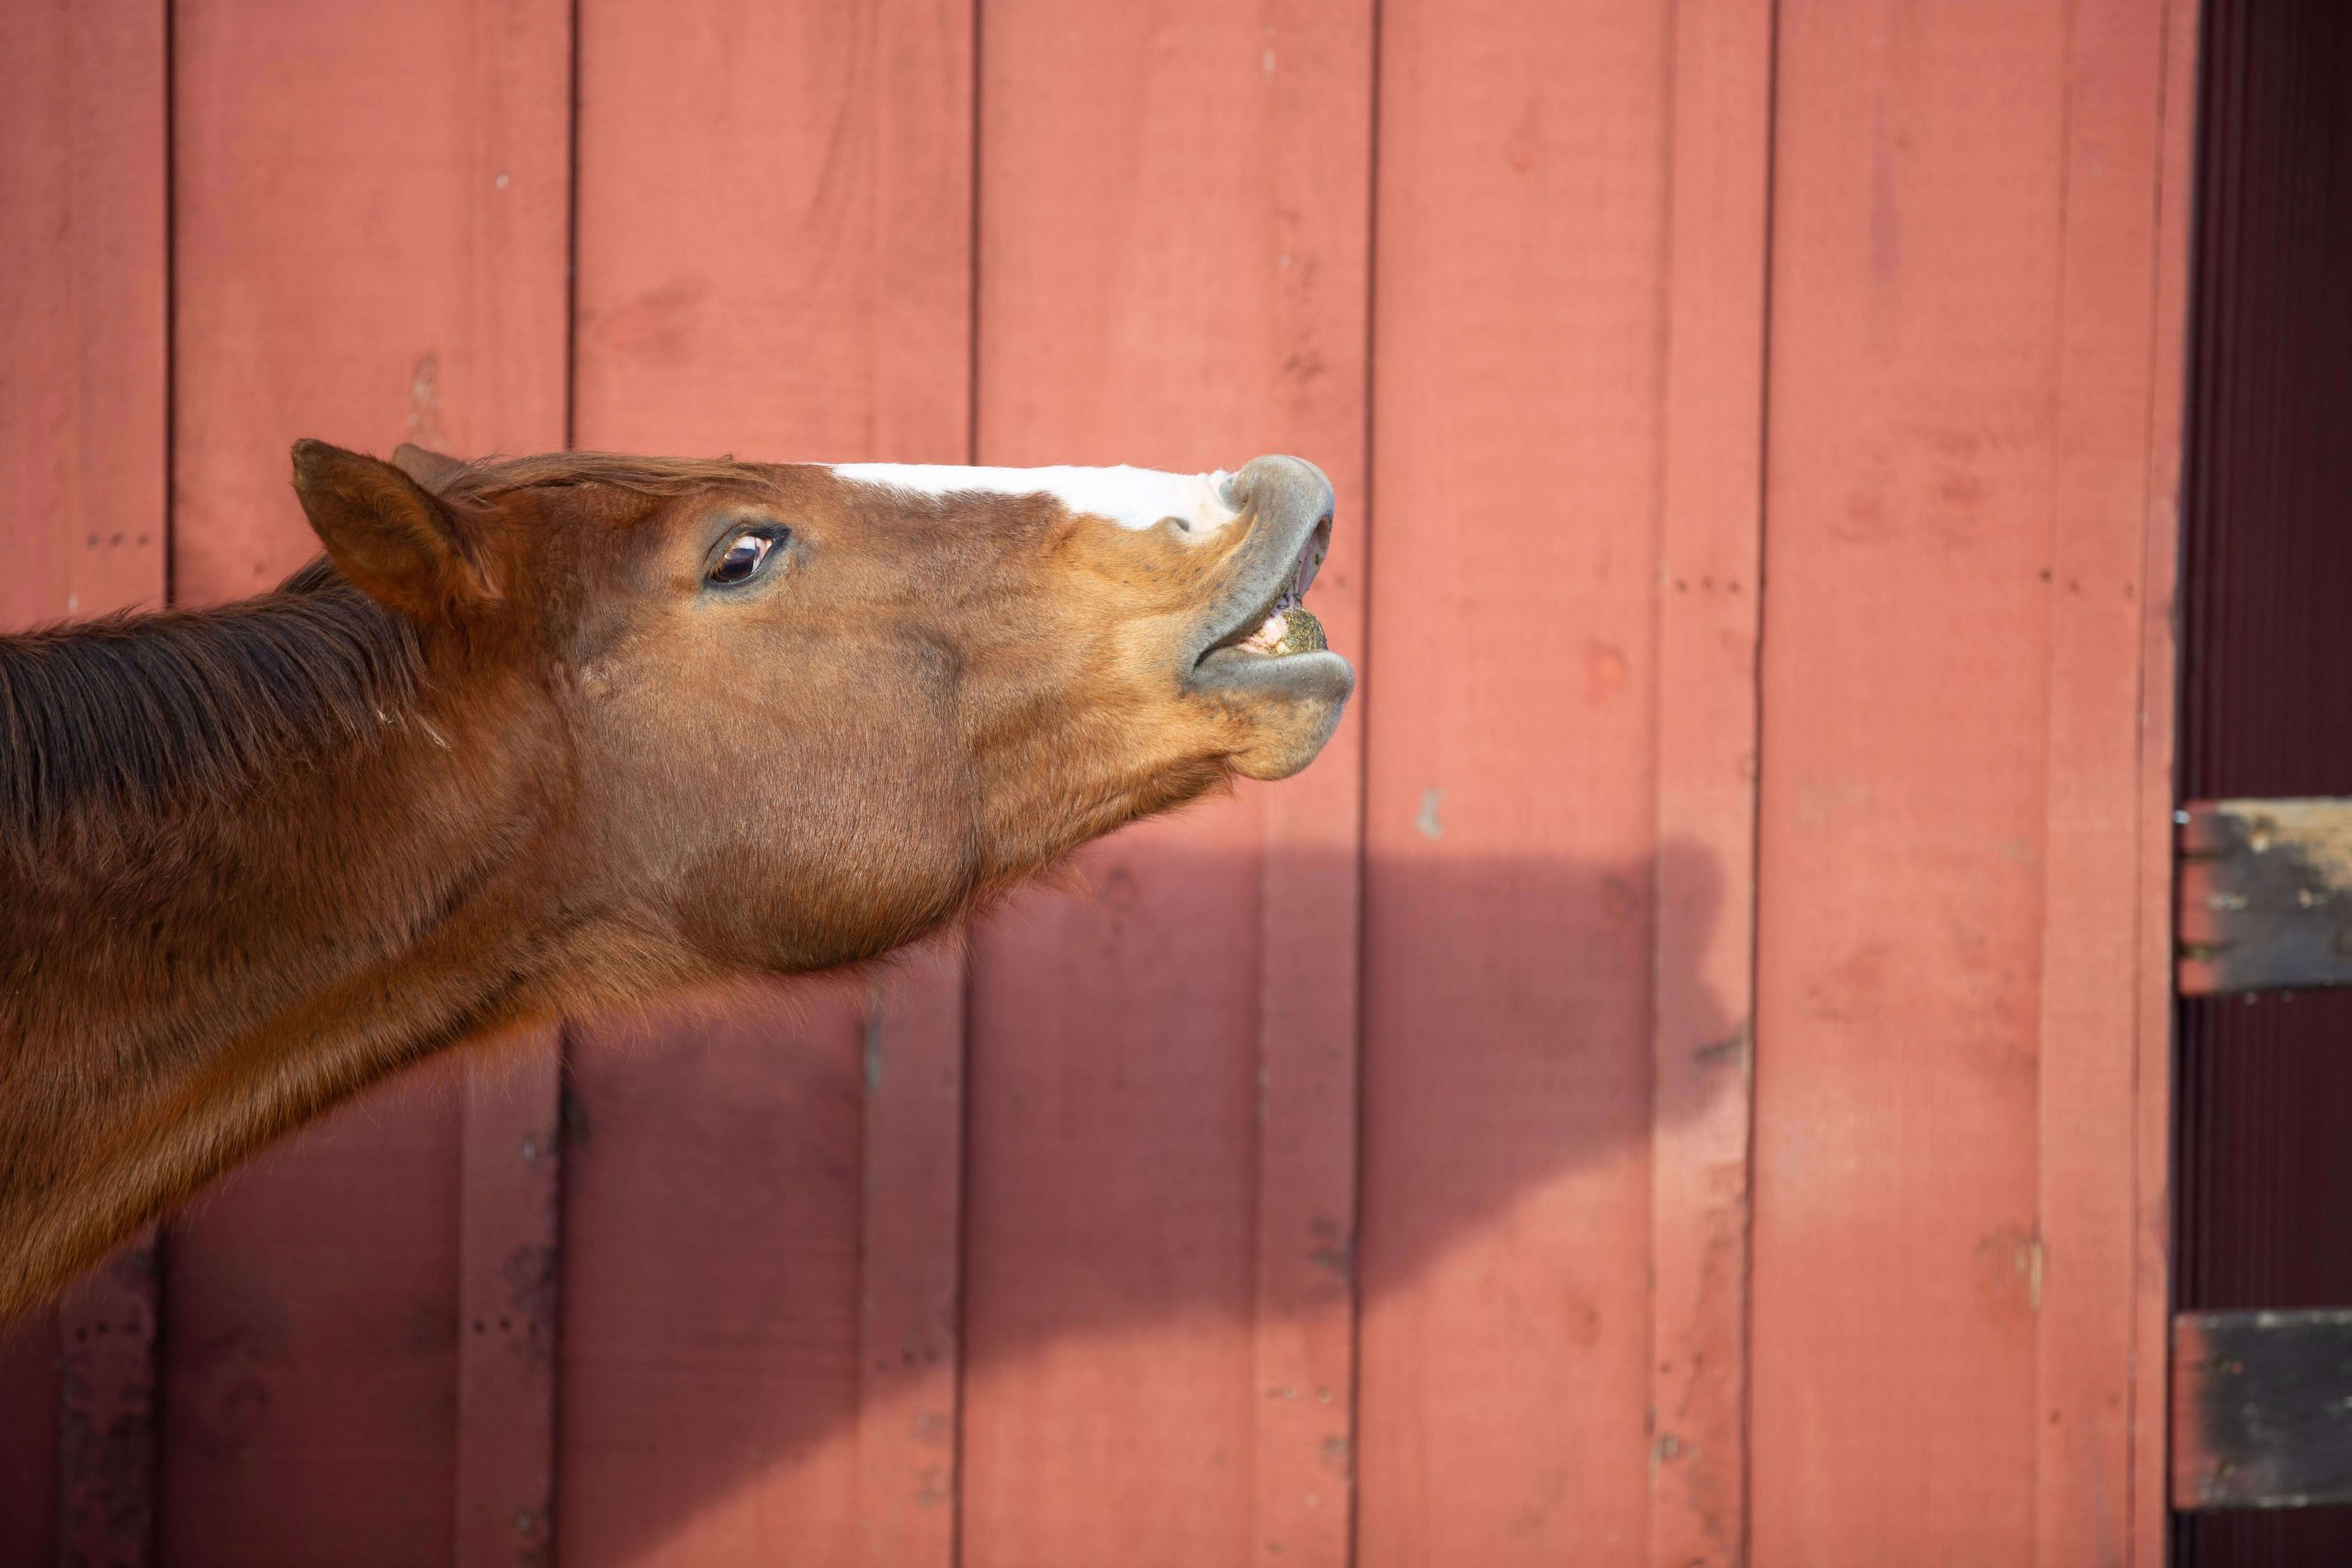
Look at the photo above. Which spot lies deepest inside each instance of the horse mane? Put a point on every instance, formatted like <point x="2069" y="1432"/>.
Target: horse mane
<point x="135" y="712"/>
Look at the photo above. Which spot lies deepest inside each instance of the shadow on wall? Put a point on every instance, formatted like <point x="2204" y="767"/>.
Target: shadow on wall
<point x="715" y="1175"/>
<point x="1110" y="1205"/>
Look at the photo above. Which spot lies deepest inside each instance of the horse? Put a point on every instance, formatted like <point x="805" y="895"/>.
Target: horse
<point x="550" y="733"/>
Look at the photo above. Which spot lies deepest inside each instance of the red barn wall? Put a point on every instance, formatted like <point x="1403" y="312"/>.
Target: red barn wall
<point x="1682" y="1081"/>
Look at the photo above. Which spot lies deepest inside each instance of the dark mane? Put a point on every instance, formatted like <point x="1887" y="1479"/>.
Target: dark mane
<point x="134" y="711"/>
<point x="488" y="479"/>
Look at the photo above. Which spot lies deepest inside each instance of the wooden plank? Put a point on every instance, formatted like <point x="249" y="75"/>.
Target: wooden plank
<point x="775" y="258"/>
<point x="32" y="1393"/>
<point x="1918" y="466"/>
<point x="510" y="1196"/>
<point x="2261" y="1409"/>
<point x="2264" y="896"/>
<point x="516" y="332"/>
<point x="1162" y="1154"/>
<point x="909" y="1413"/>
<point x="1317" y="86"/>
<point x="710" y="1355"/>
<point x="2099" y="689"/>
<point x="83" y="518"/>
<point x="82" y="243"/>
<point x="107" y="1432"/>
<point x="1711" y="519"/>
<point x="2154" y="1263"/>
<point x="829" y="318"/>
<point x="1974" y="444"/>
<point x="1512" y="948"/>
<point x="911" y="1297"/>
<point x="370" y="244"/>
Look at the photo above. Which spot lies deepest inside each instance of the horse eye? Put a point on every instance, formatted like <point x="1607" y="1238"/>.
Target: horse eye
<point x="747" y="555"/>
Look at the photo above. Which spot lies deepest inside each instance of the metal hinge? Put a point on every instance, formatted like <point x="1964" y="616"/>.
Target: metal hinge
<point x="2264" y="895"/>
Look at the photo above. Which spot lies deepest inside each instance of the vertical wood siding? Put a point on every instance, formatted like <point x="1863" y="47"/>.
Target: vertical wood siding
<point x="774" y="259"/>
<point x="84" y="473"/>
<point x="369" y="236"/>
<point x="1514" y="857"/>
<point x="1162" y="1159"/>
<point x="1970" y="325"/>
<point x="1682" y="1081"/>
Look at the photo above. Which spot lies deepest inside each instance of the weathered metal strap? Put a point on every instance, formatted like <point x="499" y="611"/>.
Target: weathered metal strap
<point x="2261" y="1409"/>
<point x="2264" y="896"/>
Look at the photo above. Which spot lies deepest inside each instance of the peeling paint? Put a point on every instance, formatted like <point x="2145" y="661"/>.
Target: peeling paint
<point x="1427" y="821"/>
<point x="424" y="401"/>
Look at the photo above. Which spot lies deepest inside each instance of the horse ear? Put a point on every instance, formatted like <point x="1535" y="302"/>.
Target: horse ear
<point x="388" y="533"/>
<point x="427" y="468"/>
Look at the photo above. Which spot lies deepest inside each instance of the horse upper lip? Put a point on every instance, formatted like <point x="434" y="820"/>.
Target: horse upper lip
<point x="1289" y="506"/>
<point x="1288" y="589"/>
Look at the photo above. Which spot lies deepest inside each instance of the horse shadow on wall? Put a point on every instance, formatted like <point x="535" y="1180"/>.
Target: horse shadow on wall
<point x="715" y="1170"/>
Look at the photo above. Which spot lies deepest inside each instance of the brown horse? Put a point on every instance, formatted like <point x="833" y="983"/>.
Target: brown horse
<point x="551" y="733"/>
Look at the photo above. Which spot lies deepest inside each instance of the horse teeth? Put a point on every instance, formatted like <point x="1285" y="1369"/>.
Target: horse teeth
<point x="1286" y="631"/>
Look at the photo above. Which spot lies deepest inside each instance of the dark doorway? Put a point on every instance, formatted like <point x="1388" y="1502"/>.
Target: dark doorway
<point x="2263" y="1153"/>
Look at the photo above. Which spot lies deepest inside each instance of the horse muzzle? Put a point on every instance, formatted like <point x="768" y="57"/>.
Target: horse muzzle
<point x="1257" y="641"/>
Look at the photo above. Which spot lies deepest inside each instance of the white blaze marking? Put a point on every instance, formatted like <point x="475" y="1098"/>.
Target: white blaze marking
<point x="1133" y="497"/>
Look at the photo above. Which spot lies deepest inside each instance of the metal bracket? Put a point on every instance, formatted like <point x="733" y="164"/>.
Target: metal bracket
<point x="2264" y="895"/>
<point x="2261" y="1409"/>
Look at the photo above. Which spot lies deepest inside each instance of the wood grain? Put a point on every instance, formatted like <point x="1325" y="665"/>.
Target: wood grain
<point x="82" y="502"/>
<point x="82" y="243"/>
<point x="1512" y="956"/>
<point x="1970" y="337"/>
<point x="1406" y="1164"/>
<point x="517" y="167"/>
<point x="1711" y="549"/>
<point x="106" y="1426"/>
<point x="911" y="1296"/>
<point x="712" y="1167"/>
<point x="1160" y="1218"/>
<point x="370" y="209"/>
<point x="509" y="1308"/>
<point x="2104" y="527"/>
<point x="761" y="1355"/>
<point x="2154" y="1052"/>
<point x="1917" y="244"/>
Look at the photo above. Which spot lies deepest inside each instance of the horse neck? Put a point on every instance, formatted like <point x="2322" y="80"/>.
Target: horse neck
<point x="183" y="990"/>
